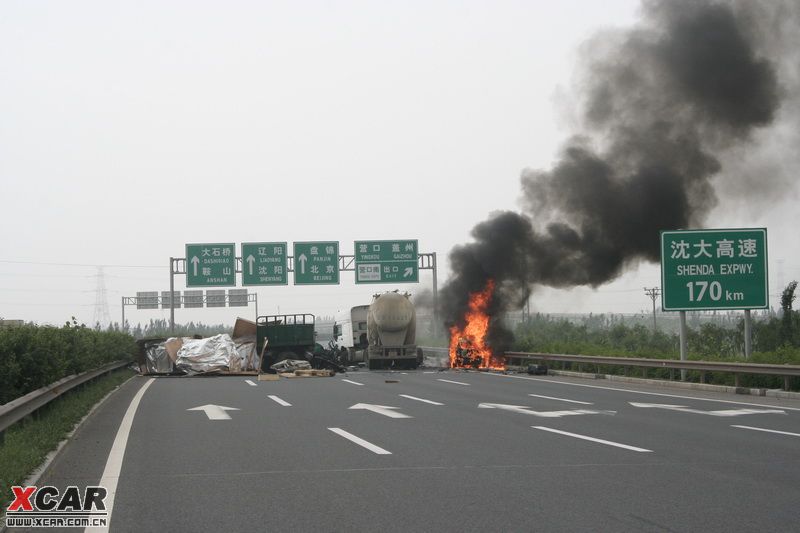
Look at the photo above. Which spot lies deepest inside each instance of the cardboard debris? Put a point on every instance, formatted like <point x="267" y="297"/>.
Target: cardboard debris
<point x="268" y="377"/>
<point x="243" y="328"/>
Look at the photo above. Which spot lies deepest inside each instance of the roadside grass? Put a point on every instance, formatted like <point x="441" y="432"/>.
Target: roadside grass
<point x="28" y="442"/>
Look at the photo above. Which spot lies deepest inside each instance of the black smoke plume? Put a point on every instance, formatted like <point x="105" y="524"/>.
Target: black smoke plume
<point x="658" y="105"/>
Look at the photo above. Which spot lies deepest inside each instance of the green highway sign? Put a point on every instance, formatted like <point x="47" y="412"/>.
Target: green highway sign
<point x="386" y="261"/>
<point x="316" y="263"/>
<point x="264" y="263"/>
<point x="211" y="265"/>
<point x="714" y="269"/>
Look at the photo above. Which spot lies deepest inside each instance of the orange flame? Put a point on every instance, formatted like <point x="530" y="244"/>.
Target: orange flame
<point x="472" y="337"/>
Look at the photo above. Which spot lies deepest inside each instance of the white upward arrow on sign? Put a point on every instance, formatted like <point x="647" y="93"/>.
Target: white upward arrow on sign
<point x="545" y="414"/>
<point x="250" y="260"/>
<point x="302" y="260"/>
<point x="723" y="412"/>
<point x="215" y="412"/>
<point x="195" y="260"/>
<point x="384" y="410"/>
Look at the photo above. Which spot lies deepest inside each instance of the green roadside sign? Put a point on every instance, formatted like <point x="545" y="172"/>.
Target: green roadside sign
<point x="386" y="261"/>
<point x="316" y="263"/>
<point x="211" y="265"/>
<point x="265" y="263"/>
<point x="714" y="269"/>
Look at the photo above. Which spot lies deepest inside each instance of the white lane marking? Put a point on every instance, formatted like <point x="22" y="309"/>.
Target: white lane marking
<point x="420" y="399"/>
<point x="768" y="430"/>
<point x="427" y="372"/>
<point x="278" y="400"/>
<point x="449" y="381"/>
<point x="250" y="382"/>
<point x="353" y="382"/>
<point x="385" y="410"/>
<point x="721" y="412"/>
<point x="525" y="410"/>
<point x="560" y="399"/>
<point x="110" y="477"/>
<point x="361" y="442"/>
<point x="215" y="412"/>
<point x="642" y="392"/>
<point x="593" y="439"/>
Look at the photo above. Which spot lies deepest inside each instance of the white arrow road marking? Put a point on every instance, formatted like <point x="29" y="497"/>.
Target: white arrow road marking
<point x="250" y="382"/>
<point x="279" y="401"/>
<point x="560" y="399"/>
<point x="250" y="260"/>
<point x="384" y="410"/>
<point x="544" y="414"/>
<point x="420" y="399"/>
<point x="723" y="412"/>
<point x="361" y="442"/>
<point x="456" y="382"/>
<point x="769" y="430"/>
<point x="592" y="439"/>
<point x="353" y="382"/>
<point x="215" y="412"/>
<point x="302" y="260"/>
<point x="195" y="260"/>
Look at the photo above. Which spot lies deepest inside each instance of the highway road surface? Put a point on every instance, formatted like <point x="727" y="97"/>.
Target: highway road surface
<point x="436" y="451"/>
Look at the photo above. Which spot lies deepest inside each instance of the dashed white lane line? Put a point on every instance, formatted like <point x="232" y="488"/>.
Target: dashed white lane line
<point x="768" y="430"/>
<point x="560" y="399"/>
<point x="110" y="477"/>
<point x="428" y="372"/>
<point x="279" y="401"/>
<point x="450" y="381"/>
<point x="593" y="439"/>
<point x="250" y="382"/>
<point x="641" y="392"/>
<point x="420" y="399"/>
<point x="353" y="382"/>
<point x="361" y="442"/>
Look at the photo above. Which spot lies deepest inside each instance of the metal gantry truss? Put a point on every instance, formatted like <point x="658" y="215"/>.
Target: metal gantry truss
<point x="347" y="263"/>
<point x="160" y="301"/>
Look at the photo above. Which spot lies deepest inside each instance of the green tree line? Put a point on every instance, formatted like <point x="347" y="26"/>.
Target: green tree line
<point x="33" y="356"/>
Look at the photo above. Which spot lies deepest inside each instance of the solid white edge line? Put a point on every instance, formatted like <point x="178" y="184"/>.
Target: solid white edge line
<point x="110" y="477"/>
<point x="593" y="439"/>
<point x="361" y="442"/>
<point x="450" y="381"/>
<point x="420" y="399"/>
<point x="768" y="430"/>
<point x="250" y="382"/>
<point x="560" y="399"/>
<point x="353" y="382"/>
<point x="278" y="400"/>
<point x="642" y="392"/>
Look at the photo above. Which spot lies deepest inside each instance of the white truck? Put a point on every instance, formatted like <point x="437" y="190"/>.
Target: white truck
<point x="381" y="335"/>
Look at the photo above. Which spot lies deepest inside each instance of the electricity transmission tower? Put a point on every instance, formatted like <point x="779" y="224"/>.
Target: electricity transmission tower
<point x="653" y="293"/>
<point x="101" y="314"/>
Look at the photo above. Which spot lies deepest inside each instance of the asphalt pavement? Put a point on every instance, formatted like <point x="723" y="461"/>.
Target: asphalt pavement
<point x="439" y="451"/>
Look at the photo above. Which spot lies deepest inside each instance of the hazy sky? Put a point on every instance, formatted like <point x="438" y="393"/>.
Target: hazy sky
<point x="128" y="129"/>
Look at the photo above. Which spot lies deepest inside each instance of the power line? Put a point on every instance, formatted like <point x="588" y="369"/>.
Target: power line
<point x="94" y="265"/>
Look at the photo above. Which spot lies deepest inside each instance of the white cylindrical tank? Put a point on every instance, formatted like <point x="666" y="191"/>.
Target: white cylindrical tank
<point x="391" y="320"/>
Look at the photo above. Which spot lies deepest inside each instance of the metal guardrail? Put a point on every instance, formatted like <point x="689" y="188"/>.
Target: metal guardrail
<point x="736" y="369"/>
<point x="15" y="410"/>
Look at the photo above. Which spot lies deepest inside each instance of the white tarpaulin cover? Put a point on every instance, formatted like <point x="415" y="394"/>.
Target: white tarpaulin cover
<point x="208" y="355"/>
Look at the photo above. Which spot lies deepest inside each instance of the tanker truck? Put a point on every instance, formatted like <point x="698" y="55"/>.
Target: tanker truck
<point x="389" y="338"/>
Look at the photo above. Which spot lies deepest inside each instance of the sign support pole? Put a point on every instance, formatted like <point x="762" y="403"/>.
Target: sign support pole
<point x="683" y="343"/>
<point x="123" y="315"/>
<point x="435" y="298"/>
<point x="172" y="296"/>
<point x="748" y="335"/>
